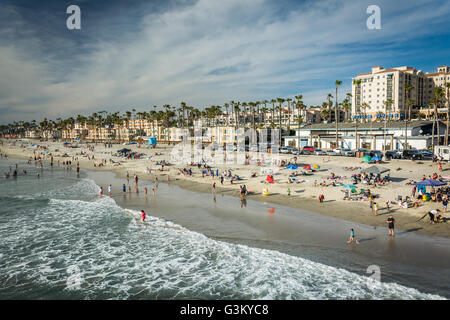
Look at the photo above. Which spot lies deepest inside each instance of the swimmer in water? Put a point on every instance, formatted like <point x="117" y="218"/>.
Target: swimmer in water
<point x="109" y="189"/>
<point x="143" y="215"/>
<point x="100" y="192"/>
<point x="124" y="188"/>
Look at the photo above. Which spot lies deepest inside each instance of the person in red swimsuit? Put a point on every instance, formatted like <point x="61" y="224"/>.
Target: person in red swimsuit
<point x="143" y="214"/>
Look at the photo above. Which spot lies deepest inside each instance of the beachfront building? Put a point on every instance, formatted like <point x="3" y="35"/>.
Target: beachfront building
<point x="371" y="90"/>
<point x="409" y="89"/>
<point x="371" y="135"/>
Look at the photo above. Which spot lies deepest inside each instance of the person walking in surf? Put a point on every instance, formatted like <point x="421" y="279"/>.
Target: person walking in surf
<point x="143" y="215"/>
<point x="352" y="237"/>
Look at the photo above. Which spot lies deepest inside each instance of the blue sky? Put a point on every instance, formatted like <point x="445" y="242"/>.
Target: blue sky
<point x="137" y="54"/>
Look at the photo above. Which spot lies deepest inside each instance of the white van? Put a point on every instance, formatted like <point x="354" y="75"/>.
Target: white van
<point x="442" y="151"/>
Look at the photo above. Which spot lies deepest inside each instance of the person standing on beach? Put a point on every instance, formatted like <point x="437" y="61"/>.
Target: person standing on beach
<point x="352" y="237"/>
<point x="124" y="188"/>
<point x="109" y="190"/>
<point x="444" y="204"/>
<point x="128" y="177"/>
<point x="214" y="187"/>
<point x="390" y="222"/>
<point x="321" y="198"/>
<point x="375" y="208"/>
<point x="100" y="194"/>
<point x="143" y="215"/>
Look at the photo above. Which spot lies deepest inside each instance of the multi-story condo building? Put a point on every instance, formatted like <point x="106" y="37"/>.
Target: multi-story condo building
<point x="371" y="91"/>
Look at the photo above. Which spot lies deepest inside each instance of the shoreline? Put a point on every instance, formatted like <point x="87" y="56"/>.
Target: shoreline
<point x="351" y="211"/>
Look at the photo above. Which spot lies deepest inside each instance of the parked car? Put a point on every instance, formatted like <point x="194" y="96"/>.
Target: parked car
<point x="376" y="153"/>
<point x="393" y="154"/>
<point x="334" y="152"/>
<point x="426" y="153"/>
<point x="284" y="150"/>
<point x="319" y="152"/>
<point x="346" y="152"/>
<point x="412" y="154"/>
<point x="308" y="148"/>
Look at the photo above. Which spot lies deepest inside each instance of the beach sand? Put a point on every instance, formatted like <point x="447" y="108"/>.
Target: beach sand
<point x="303" y="195"/>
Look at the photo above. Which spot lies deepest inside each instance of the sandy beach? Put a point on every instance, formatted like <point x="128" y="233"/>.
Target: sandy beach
<point x="302" y="195"/>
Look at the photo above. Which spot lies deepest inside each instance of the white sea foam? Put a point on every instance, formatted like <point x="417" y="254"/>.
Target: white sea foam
<point x="118" y="257"/>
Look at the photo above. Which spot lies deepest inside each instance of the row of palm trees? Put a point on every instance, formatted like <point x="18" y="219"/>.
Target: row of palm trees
<point x="185" y="115"/>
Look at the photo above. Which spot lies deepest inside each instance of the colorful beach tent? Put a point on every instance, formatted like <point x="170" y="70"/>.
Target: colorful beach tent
<point x="292" y="166"/>
<point x="366" y="158"/>
<point x="307" y="166"/>
<point x="376" y="159"/>
<point x="269" y="179"/>
<point x="430" y="182"/>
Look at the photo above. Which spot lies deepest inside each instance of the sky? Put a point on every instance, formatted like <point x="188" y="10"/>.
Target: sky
<point x="138" y="54"/>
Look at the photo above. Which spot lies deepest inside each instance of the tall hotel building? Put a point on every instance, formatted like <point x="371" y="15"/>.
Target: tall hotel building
<point x="371" y="90"/>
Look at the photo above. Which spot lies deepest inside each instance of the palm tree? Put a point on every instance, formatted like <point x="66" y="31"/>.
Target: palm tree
<point x="447" y="86"/>
<point x="228" y="115"/>
<point x="438" y="94"/>
<point x="387" y="106"/>
<point x="329" y="97"/>
<point x="300" y="106"/>
<point x="289" y="113"/>
<point x="364" y="106"/>
<point x="409" y="102"/>
<point x="337" y="83"/>
<point x="236" y="111"/>
<point x="280" y="101"/>
<point x="325" y="114"/>
<point x="273" y="101"/>
<point x="346" y="106"/>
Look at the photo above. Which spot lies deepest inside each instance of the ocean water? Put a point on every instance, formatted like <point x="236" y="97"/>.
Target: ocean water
<point x="59" y="240"/>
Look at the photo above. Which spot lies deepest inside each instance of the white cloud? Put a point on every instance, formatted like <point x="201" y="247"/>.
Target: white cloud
<point x="211" y="52"/>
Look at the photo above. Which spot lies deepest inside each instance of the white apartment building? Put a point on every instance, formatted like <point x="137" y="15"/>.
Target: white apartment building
<point x="439" y="79"/>
<point x="381" y="84"/>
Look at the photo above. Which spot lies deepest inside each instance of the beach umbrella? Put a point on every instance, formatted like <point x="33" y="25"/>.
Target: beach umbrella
<point x="375" y="159"/>
<point x="366" y="158"/>
<point x="430" y="183"/>
<point x="292" y="167"/>
<point x="349" y="186"/>
<point x="375" y="169"/>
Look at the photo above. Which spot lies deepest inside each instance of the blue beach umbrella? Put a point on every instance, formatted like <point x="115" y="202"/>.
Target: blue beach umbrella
<point x="376" y="159"/>
<point x="292" y="167"/>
